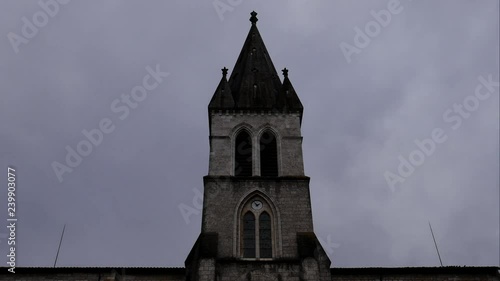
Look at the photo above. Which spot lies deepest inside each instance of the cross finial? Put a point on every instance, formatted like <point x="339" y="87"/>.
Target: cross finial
<point x="254" y="18"/>
<point x="285" y="72"/>
<point x="224" y="72"/>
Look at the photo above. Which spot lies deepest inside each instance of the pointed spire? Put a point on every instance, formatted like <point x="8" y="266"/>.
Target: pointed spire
<point x="222" y="98"/>
<point x="254" y="81"/>
<point x="288" y="94"/>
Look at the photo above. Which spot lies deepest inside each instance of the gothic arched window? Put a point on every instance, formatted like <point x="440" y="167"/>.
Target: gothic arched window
<point x="268" y="155"/>
<point x="265" y="238"/>
<point x="243" y="155"/>
<point x="249" y="235"/>
<point x="257" y="229"/>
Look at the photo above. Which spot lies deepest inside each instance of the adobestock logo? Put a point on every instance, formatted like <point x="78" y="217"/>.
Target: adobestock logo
<point x="30" y="28"/>
<point x="363" y="38"/>
<point x="328" y="244"/>
<point x="221" y="7"/>
<point x="428" y="146"/>
<point x="120" y="106"/>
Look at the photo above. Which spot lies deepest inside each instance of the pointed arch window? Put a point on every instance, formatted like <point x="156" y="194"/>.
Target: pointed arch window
<point x="243" y="155"/>
<point x="257" y="230"/>
<point x="249" y="235"/>
<point x="268" y="155"/>
<point x="265" y="238"/>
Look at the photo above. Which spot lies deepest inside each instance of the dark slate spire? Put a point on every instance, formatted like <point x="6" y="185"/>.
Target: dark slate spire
<point x="254" y="81"/>
<point x="288" y="94"/>
<point x="222" y="98"/>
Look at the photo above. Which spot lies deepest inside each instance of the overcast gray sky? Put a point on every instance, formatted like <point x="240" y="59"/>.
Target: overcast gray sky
<point x="363" y="113"/>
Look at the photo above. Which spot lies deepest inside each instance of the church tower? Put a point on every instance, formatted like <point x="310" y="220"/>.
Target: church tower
<point x="257" y="220"/>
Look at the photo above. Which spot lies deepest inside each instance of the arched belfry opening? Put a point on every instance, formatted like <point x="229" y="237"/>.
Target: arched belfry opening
<point x="268" y="155"/>
<point x="243" y="155"/>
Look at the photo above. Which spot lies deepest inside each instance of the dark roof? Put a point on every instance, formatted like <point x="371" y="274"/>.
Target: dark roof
<point x="222" y="98"/>
<point x="254" y="83"/>
<point x="487" y="270"/>
<point x="288" y="93"/>
<point x="95" y="270"/>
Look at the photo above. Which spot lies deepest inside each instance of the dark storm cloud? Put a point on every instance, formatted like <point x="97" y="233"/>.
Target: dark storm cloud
<point x="121" y="204"/>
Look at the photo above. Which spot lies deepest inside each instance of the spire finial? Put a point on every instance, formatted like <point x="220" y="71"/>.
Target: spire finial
<point x="224" y="72"/>
<point x="254" y="18"/>
<point x="285" y="72"/>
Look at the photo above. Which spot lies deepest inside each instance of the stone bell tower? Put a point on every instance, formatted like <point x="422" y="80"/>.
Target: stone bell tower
<point x="257" y="221"/>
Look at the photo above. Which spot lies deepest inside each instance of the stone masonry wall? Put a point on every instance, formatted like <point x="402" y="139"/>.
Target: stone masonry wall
<point x="289" y="141"/>
<point x="259" y="272"/>
<point x="290" y="197"/>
